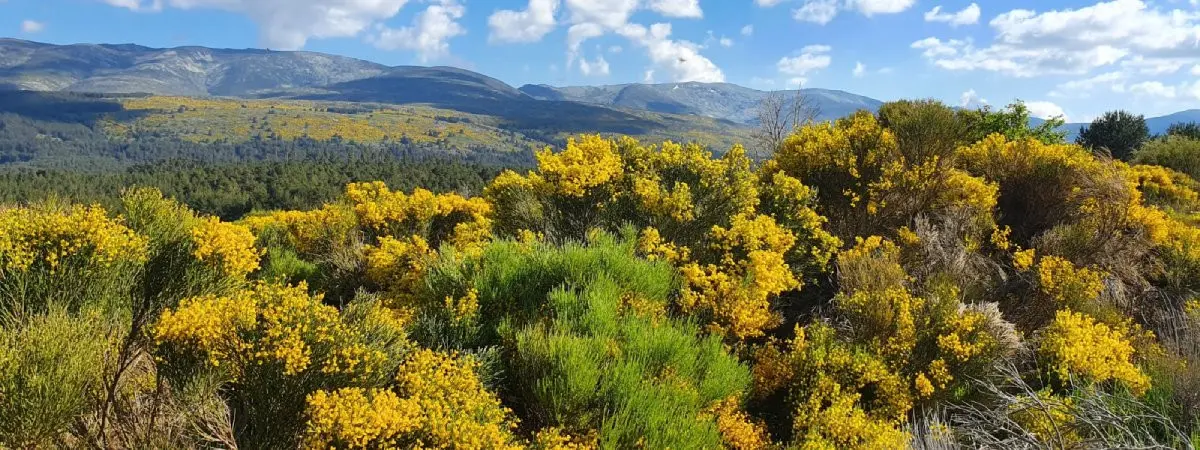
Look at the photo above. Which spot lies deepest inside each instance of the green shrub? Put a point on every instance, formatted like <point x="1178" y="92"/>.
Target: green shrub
<point x="1173" y="152"/>
<point x="52" y="370"/>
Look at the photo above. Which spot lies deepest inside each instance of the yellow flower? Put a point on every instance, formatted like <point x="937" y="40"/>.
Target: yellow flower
<point x="1076" y="344"/>
<point x="49" y="238"/>
<point x="226" y="246"/>
<point x="1067" y="285"/>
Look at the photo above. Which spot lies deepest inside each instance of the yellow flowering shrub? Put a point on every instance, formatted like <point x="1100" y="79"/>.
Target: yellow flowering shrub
<point x="438" y="402"/>
<point x="438" y="218"/>
<point x="1166" y="187"/>
<point x="554" y="438"/>
<point x="226" y="246"/>
<point x="49" y="238"/>
<point x="398" y="266"/>
<point x="828" y="386"/>
<point x="735" y="293"/>
<point x="1067" y="285"/>
<point x="791" y="203"/>
<point x="738" y="429"/>
<point x="309" y="232"/>
<point x="866" y="184"/>
<point x="1077" y="345"/>
<point x="269" y="327"/>
<point x="589" y="161"/>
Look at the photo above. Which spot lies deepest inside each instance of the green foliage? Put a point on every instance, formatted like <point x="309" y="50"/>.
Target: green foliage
<point x="1190" y="130"/>
<point x="1175" y="152"/>
<point x="593" y="345"/>
<point x="52" y="370"/>
<point x="1118" y="132"/>
<point x="1013" y="122"/>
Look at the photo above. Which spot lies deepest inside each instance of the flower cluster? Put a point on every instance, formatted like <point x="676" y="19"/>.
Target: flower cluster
<point x="738" y="429"/>
<point x="226" y="246"/>
<point x="736" y="290"/>
<point x="1078" y="345"/>
<point x="281" y="326"/>
<point x="51" y="238"/>
<point x="438" y="402"/>
<point x="587" y="162"/>
<point x="1066" y="284"/>
<point x="309" y="232"/>
<point x="438" y="218"/>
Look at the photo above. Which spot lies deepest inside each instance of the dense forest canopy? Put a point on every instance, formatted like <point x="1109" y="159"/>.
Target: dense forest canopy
<point x="917" y="278"/>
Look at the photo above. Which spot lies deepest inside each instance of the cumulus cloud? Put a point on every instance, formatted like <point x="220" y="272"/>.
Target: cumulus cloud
<point x="860" y="70"/>
<point x="1153" y="89"/>
<point x="968" y="16"/>
<point x="528" y="25"/>
<point x="811" y="58"/>
<point x="1196" y="70"/>
<point x="1114" y="81"/>
<point x="817" y="11"/>
<point x="971" y="99"/>
<point x="681" y="59"/>
<point x="1076" y="41"/>
<point x="429" y="34"/>
<point x="824" y="11"/>
<point x="747" y="30"/>
<point x="32" y="26"/>
<point x="1045" y="110"/>
<point x="599" y="67"/>
<point x="677" y="8"/>
<point x="289" y="24"/>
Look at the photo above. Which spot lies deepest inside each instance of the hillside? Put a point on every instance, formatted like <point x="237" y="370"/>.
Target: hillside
<point x="716" y="100"/>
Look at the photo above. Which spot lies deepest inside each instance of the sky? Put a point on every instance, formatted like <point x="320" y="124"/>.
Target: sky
<point x="1075" y="58"/>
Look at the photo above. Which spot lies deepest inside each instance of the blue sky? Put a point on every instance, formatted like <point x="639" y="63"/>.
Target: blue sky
<point x="1074" y="57"/>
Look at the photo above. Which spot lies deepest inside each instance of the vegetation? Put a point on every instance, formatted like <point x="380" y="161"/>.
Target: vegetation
<point x="1119" y="133"/>
<point x="886" y="280"/>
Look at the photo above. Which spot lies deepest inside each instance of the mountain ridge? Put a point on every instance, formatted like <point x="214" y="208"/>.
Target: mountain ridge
<point x="262" y="73"/>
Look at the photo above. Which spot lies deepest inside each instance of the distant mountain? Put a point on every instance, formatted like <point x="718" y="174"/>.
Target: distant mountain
<point x="717" y="100"/>
<point x="253" y="73"/>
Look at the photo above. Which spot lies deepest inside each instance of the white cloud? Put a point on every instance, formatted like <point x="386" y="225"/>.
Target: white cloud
<point x="678" y="8"/>
<point x="726" y="42"/>
<point x="529" y="25"/>
<point x="1194" y="90"/>
<point x="682" y="59"/>
<point x="1077" y="41"/>
<point x="811" y="58"/>
<point x="289" y="24"/>
<point x="747" y="30"/>
<point x="429" y="34"/>
<point x="1114" y="81"/>
<point x="817" y="11"/>
<point x="1153" y="89"/>
<point x="797" y="82"/>
<point x="968" y="16"/>
<point x="971" y="99"/>
<point x="1156" y="66"/>
<point x="615" y="49"/>
<point x="824" y="11"/>
<point x="886" y="71"/>
<point x="1045" y="110"/>
<point x="872" y="7"/>
<point x="32" y="26"/>
<point x="859" y="70"/>
<point x="611" y="14"/>
<point x="599" y="67"/>
<point x="768" y="3"/>
<point x="648" y="78"/>
<point x="1196" y="70"/>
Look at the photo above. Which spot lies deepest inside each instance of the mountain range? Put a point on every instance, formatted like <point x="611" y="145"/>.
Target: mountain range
<point x="253" y="73"/>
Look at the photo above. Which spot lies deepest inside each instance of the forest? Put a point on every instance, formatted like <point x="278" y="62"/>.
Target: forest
<point x="921" y="277"/>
